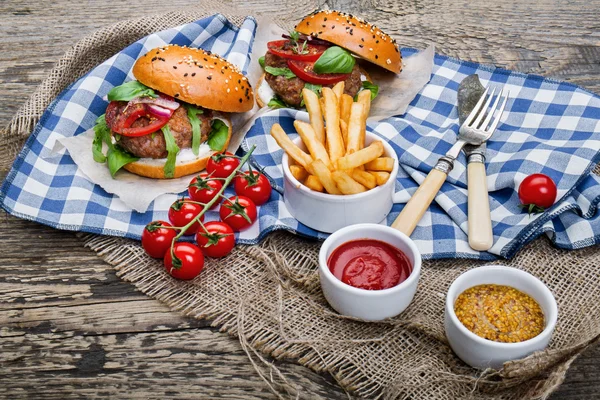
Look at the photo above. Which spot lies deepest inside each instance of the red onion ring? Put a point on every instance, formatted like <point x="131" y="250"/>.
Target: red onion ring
<point x="159" y="101"/>
<point x="159" y="111"/>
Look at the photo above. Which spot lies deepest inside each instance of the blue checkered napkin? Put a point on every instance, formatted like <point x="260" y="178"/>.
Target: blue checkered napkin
<point x="549" y="127"/>
<point x="49" y="188"/>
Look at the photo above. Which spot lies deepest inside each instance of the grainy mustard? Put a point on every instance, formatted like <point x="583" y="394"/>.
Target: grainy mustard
<point x="499" y="313"/>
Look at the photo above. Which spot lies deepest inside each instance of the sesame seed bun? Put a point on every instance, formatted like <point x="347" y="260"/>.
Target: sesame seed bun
<point x="354" y="34"/>
<point x="154" y="168"/>
<point x="195" y="76"/>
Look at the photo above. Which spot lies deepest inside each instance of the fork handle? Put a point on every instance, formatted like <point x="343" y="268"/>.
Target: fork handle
<point x="413" y="211"/>
<point x="480" y="221"/>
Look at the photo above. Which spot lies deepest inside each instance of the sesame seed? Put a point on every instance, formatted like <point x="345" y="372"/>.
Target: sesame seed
<point x="370" y="49"/>
<point x="376" y="56"/>
<point x="226" y="81"/>
<point x="209" y="77"/>
<point x="174" y="66"/>
<point x="388" y="61"/>
<point x="176" y="94"/>
<point x="184" y="75"/>
<point x="193" y="74"/>
<point x="241" y="100"/>
<point x="227" y="90"/>
<point x="361" y="46"/>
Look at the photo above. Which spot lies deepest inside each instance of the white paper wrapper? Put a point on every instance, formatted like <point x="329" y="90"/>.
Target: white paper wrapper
<point x="396" y="91"/>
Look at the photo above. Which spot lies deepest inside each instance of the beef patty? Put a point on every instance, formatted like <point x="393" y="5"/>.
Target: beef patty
<point x="153" y="145"/>
<point x="290" y="90"/>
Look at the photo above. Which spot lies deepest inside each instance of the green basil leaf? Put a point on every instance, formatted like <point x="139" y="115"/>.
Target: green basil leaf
<point x="261" y="61"/>
<point x="117" y="158"/>
<point x="172" y="150"/>
<point x="101" y="135"/>
<point x="334" y="60"/>
<point x="315" y="88"/>
<point x="192" y="113"/>
<point x="218" y="135"/>
<point x="280" y="71"/>
<point x="129" y="91"/>
<point x="372" y="87"/>
<point x="276" y="102"/>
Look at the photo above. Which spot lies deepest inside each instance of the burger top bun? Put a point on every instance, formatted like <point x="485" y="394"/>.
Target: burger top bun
<point x="355" y="35"/>
<point x="195" y="76"/>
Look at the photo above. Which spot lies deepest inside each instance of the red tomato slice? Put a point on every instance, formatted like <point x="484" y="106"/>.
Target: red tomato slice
<point x="132" y="112"/>
<point x="284" y="48"/>
<point x="304" y="71"/>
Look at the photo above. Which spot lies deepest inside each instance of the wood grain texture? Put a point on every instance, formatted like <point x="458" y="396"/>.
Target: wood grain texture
<point x="70" y="328"/>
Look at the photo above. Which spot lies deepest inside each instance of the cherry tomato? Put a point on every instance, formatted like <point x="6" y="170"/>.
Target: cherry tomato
<point x="182" y="212"/>
<point x="304" y="71"/>
<point x="537" y="192"/>
<point x="156" y="240"/>
<point x="218" y="241"/>
<point x="286" y="49"/>
<point x="221" y="165"/>
<point x="253" y="185"/>
<point x="203" y="189"/>
<point x="188" y="262"/>
<point x="239" y="212"/>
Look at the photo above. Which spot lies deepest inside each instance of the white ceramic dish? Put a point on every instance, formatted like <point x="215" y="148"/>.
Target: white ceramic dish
<point x="482" y="353"/>
<point x="371" y="305"/>
<point x="328" y="213"/>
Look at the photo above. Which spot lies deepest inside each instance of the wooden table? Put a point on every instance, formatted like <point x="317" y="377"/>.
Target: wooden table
<point x="70" y="328"/>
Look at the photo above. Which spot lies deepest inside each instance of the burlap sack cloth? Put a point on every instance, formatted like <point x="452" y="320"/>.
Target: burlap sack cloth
<point x="268" y="295"/>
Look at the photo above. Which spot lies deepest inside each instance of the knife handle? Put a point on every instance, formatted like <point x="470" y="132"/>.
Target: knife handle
<point x="413" y="211"/>
<point x="481" y="237"/>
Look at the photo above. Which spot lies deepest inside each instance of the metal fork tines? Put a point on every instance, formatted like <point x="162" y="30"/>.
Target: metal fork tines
<point x="481" y="122"/>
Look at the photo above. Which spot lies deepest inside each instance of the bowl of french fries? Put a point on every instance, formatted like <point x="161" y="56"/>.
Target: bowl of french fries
<point x="335" y="173"/>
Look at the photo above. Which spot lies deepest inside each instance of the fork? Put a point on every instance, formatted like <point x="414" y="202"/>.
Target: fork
<point x="477" y="128"/>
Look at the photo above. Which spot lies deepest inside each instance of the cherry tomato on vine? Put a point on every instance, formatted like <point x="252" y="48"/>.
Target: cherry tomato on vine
<point x="182" y="212"/>
<point x="203" y="189"/>
<point x="253" y="185"/>
<point x="239" y="212"/>
<point x="221" y="165"/>
<point x="537" y="192"/>
<point x="156" y="239"/>
<point x="217" y="241"/>
<point x="188" y="261"/>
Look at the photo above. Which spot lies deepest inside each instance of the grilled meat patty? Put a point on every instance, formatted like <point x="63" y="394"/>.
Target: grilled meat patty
<point x="290" y="90"/>
<point x="153" y="145"/>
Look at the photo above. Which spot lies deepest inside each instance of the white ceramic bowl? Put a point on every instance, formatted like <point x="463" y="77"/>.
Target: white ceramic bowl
<point x="328" y="213"/>
<point x="482" y="353"/>
<point x="371" y="305"/>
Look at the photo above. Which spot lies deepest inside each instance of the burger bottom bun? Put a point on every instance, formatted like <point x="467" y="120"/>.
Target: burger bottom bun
<point x="153" y="168"/>
<point x="264" y="93"/>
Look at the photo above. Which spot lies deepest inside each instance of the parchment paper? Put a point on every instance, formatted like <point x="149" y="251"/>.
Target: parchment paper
<point x="395" y="94"/>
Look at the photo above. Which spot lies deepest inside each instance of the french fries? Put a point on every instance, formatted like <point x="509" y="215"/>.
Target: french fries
<point x="322" y="172"/>
<point x="286" y="144"/>
<point x="313" y="183"/>
<point x="309" y="137"/>
<point x="381" y="164"/>
<point x="360" y="157"/>
<point x="313" y="106"/>
<point x="335" y="144"/>
<point x="346" y="184"/>
<point x="336" y="161"/>
<point x="299" y="173"/>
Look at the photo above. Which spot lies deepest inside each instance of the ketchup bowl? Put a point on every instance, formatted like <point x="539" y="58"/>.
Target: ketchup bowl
<point x="369" y="305"/>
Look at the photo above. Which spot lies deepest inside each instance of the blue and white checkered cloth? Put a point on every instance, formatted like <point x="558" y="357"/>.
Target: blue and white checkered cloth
<point x="550" y="127"/>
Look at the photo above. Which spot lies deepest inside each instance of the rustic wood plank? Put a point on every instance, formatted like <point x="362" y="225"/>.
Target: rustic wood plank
<point x="70" y="328"/>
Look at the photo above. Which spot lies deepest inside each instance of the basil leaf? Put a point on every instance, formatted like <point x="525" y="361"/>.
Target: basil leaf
<point x="218" y="135"/>
<point x="276" y="102"/>
<point x="261" y="61"/>
<point x="172" y="150"/>
<point x="315" y="88"/>
<point x="102" y="135"/>
<point x="372" y="87"/>
<point x="280" y="71"/>
<point x="192" y="113"/>
<point x="334" y="60"/>
<point x="117" y="158"/>
<point x="129" y="91"/>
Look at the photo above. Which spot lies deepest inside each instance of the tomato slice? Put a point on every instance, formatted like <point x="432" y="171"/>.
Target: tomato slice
<point x="304" y="71"/>
<point x="284" y="48"/>
<point x="121" y="122"/>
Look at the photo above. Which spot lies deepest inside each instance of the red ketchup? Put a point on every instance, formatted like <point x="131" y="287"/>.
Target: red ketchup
<point x="369" y="264"/>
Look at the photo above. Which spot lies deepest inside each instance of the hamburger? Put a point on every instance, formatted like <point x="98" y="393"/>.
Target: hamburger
<point x="170" y="120"/>
<point x="324" y="49"/>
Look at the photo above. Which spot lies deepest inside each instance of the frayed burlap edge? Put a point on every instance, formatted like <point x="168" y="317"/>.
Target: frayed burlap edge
<point x="282" y="269"/>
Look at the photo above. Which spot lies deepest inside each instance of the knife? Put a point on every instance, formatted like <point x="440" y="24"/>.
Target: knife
<point x="480" y="233"/>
